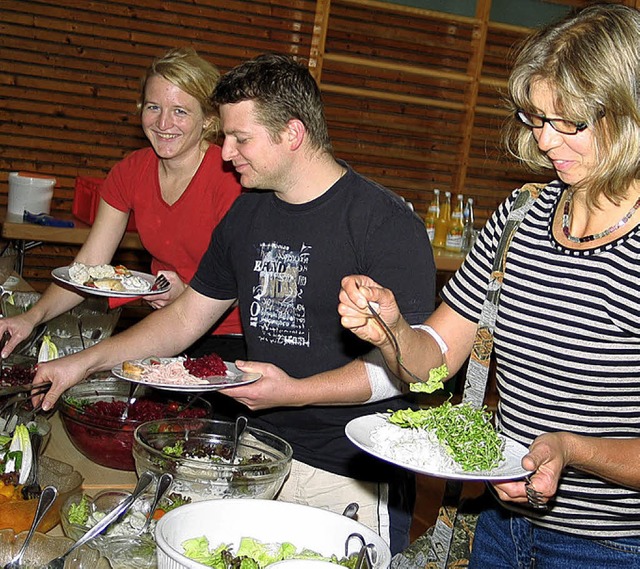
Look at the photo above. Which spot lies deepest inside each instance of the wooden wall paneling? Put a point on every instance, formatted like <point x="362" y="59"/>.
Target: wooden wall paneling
<point x="474" y="70"/>
<point x="318" y="39"/>
<point x="395" y="86"/>
<point x="70" y="72"/>
<point x="412" y="96"/>
<point x="491" y="174"/>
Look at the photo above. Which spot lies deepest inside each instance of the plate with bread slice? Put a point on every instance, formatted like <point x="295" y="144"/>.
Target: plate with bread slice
<point x="108" y="280"/>
<point x="206" y="373"/>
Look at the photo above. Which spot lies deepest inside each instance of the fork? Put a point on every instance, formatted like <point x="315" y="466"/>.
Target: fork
<point x="160" y="282"/>
<point x="393" y="339"/>
<point x="534" y="497"/>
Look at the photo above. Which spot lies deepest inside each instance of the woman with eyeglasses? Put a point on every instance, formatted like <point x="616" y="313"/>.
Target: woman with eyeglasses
<point x="567" y="331"/>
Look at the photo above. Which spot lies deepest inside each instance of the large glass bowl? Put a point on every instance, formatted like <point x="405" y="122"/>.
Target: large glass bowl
<point x="102" y="434"/>
<point x="263" y="463"/>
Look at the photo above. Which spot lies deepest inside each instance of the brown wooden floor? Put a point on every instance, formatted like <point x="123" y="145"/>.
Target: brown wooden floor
<point x="427" y="503"/>
<point x="429" y="497"/>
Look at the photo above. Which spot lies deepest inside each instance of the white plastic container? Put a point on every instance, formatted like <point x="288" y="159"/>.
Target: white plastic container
<point x="269" y="521"/>
<point x="31" y="193"/>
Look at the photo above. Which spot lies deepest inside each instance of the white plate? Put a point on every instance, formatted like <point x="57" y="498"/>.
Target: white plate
<point x="62" y="274"/>
<point x="233" y="378"/>
<point x="359" y="433"/>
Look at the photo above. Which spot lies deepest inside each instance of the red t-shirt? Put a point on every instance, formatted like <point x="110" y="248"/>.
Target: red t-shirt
<point x="175" y="235"/>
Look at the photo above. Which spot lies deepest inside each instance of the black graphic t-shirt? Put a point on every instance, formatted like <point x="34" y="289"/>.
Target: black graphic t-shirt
<point x="284" y="263"/>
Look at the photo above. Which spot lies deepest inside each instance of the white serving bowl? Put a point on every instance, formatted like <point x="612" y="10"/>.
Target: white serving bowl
<point x="303" y="564"/>
<point x="229" y="520"/>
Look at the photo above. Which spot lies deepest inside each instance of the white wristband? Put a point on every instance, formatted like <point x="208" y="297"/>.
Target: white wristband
<point x="429" y="330"/>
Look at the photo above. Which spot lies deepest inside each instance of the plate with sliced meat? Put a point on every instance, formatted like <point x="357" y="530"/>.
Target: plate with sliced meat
<point x="207" y="373"/>
<point x="108" y="280"/>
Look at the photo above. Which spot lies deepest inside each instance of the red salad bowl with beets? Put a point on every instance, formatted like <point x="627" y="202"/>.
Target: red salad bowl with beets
<point x="92" y="413"/>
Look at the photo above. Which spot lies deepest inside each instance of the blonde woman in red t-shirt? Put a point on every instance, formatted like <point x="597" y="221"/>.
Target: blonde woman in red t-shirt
<point x="178" y="188"/>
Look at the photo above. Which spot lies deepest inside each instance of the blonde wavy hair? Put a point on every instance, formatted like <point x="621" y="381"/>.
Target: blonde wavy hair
<point x="185" y="69"/>
<point x="591" y="60"/>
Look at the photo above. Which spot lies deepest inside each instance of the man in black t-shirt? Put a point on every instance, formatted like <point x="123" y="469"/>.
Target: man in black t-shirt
<point x="281" y="252"/>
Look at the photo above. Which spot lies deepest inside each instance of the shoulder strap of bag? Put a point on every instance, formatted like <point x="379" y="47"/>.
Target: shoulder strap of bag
<point x="478" y="371"/>
<point x="480" y="358"/>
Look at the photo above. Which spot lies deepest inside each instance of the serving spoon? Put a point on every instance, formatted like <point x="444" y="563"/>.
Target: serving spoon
<point x="131" y="399"/>
<point x="46" y="500"/>
<point x="164" y="483"/>
<point x="241" y="425"/>
<point x="145" y="479"/>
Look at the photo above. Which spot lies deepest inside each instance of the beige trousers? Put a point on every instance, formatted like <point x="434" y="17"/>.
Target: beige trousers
<point x="314" y="487"/>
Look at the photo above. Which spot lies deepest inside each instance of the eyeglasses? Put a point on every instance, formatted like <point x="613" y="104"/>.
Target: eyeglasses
<point x="562" y="126"/>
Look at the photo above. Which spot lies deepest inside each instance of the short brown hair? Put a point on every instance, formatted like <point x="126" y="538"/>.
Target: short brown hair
<point x="282" y="89"/>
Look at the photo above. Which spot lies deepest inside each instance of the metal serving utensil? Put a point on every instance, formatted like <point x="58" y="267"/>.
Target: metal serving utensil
<point x="164" y="483"/>
<point x="47" y="498"/>
<point x="367" y="553"/>
<point x="31" y="488"/>
<point x="373" y="308"/>
<point x="351" y="510"/>
<point x="241" y="425"/>
<point x="145" y="479"/>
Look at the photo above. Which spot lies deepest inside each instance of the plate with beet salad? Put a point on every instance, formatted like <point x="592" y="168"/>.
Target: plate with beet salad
<point x="206" y="373"/>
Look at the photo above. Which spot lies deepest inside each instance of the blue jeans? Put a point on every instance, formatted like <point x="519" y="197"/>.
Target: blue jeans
<point x="504" y="540"/>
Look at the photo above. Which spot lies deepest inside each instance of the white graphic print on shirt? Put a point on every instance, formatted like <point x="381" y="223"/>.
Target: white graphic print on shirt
<point x="278" y="309"/>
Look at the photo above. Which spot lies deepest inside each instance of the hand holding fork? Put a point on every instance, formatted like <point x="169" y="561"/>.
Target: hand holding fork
<point x="535" y="498"/>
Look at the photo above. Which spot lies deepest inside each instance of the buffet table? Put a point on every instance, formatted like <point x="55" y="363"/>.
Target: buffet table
<point x="26" y="236"/>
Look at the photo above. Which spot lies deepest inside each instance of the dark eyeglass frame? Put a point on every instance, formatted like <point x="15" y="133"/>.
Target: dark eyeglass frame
<point x="563" y="126"/>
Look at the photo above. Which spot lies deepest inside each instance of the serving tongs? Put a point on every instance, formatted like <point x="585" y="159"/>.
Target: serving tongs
<point x="35" y="388"/>
<point x="367" y="556"/>
<point x="11" y="411"/>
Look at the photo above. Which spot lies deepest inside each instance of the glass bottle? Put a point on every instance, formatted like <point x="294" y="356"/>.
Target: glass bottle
<point x="469" y="227"/>
<point x="453" y="241"/>
<point x="432" y="215"/>
<point x="442" y="222"/>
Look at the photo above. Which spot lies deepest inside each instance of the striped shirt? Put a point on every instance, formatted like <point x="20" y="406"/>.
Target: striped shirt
<point x="567" y="346"/>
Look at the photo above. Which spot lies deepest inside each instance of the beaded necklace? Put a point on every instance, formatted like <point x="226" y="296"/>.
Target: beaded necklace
<point x="566" y="218"/>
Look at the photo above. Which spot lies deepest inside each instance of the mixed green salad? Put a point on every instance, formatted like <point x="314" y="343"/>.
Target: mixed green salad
<point x="466" y="433"/>
<point x="81" y="513"/>
<point x="253" y="554"/>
